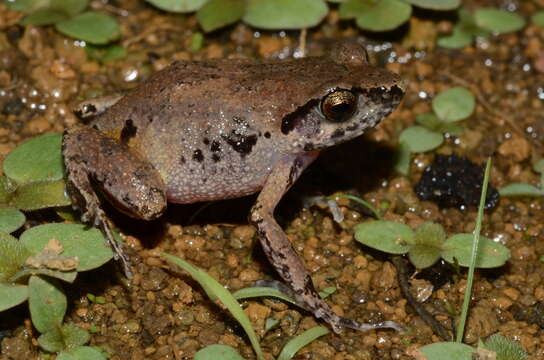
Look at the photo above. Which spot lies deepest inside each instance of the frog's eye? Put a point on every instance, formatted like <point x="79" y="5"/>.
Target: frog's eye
<point x="339" y="105"/>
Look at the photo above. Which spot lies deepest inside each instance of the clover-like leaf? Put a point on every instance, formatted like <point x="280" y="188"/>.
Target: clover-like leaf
<point x="10" y="219"/>
<point x="436" y="4"/>
<point x="458" y="248"/>
<point x="420" y="139"/>
<point x="47" y="303"/>
<point x="387" y="236"/>
<point x="284" y="14"/>
<point x="374" y="15"/>
<point x="178" y="6"/>
<point x="39" y="159"/>
<point x="87" y="244"/>
<point x="12" y="295"/>
<point x="216" y="14"/>
<point x="91" y="26"/>
<point x="218" y="351"/>
<point x="454" y="104"/>
<point x="498" y="20"/>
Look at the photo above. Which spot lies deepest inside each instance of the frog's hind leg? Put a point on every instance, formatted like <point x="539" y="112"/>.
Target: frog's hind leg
<point x="94" y="161"/>
<point x="281" y="254"/>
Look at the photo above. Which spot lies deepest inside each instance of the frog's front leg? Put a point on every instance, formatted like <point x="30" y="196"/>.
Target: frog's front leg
<point x="94" y="161"/>
<point x="279" y="250"/>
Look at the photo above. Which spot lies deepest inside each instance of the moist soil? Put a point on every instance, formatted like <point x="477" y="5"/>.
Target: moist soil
<point x="164" y="314"/>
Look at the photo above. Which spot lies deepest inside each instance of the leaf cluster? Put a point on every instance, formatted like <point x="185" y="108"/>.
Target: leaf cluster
<point x="481" y="23"/>
<point x="69" y="18"/>
<point x="34" y="265"/>
<point x="449" y="107"/>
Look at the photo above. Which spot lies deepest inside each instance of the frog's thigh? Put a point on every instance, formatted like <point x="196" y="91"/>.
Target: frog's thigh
<point x="275" y="244"/>
<point x="130" y="183"/>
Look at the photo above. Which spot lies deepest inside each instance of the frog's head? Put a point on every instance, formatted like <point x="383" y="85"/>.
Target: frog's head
<point x="341" y="109"/>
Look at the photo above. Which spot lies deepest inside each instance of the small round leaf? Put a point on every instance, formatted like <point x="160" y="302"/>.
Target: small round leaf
<point x="374" y="15"/>
<point x="459" y="38"/>
<point x="216" y="14"/>
<point x="284" y="14"/>
<point x="47" y="303"/>
<point x="12" y="295"/>
<point x="40" y="195"/>
<point x="82" y="353"/>
<point x="538" y="18"/>
<point x="90" y="26"/>
<point x="217" y="351"/>
<point x="419" y="139"/>
<point x="86" y="243"/>
<point x="498" y="20"/>
<point x="490" y="254"/>
<point x="74" y="336"/>
<point x="436" y="4"/>
<point x="39" y="159"/>
<point x="178" y="6"/>
<point x="454" y="104"/>
<point x="51" y="341"/>
<point x="387" y="236"/>
<point x="10" y="219"/>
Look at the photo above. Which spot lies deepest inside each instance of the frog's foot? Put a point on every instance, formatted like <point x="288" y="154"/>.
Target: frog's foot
<point x="281" y="254"/>
<point x="94" y="160"/>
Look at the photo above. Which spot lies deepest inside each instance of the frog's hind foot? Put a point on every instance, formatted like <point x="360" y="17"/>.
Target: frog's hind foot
<point x="352" y="324"/>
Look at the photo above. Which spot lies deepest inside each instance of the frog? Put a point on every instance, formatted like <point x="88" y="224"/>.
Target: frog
<point x="225" y="128"/>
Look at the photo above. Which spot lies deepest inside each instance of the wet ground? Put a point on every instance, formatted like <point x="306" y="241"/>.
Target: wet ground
<point x="164" y="314"/>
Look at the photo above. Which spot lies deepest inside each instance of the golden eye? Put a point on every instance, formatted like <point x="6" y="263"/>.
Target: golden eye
<point x="339" y="105"/>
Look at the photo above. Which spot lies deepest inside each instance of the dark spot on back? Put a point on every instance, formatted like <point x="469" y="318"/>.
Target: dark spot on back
<point x="215" y="157"/>
<point x="197" y="155"/>
<point x="240" y="143"/>
<point x="215" y="146"/>
<point x="352" y="127"/>
<point x="182" y="159"/>
<point x="95" y="127"/>
<point x="128" y="131"/>
<point x="267" y="135"/>
<point x="308" y="147"/>
<point x="206" y="141"/>
<point x="338" y="133"/>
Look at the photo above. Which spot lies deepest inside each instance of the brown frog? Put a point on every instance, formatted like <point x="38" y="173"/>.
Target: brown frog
<point x="218" y="129"/>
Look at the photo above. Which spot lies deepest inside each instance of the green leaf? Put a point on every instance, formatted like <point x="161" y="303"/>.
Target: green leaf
<point x="74" y="336"/>
<point x="197" y="41"/>
<point x="40" y="195"/>
<point x="520" y="190"/>
<point x="459" y="248"/>
<point x="420" y="139"/>
<point x="71" y="7"/>
<point x="12" y="255"/>
<point x="216" y="291"/>
<point x="284" y="14"/>
<point x="300" y="341"/>
<point x="387" y="236"/>
<point x="52" y="341"/>
<point x="539" y="166"/>
<point x="447" y="351"/>
<point x="429" y="238"/>
<point x="456" y="103"/>
<point x="10" y="219"/>
<point x="506" y="348"/>
<point x="78" y="240"/>
<point x="402" y="159"/>
<point x="6" y="189"/>
<point x="459" y="38"/>
<point x="375" y="15"/>
<point x="81" y="353"/>
<point x="538" y="18"/>
<point x="90" y="26"/>
<point x="106" y="53"/>
<point x="436" y="4"/>
<point x="498" y="20"/>
<point x="429" y="120"/>
<point x="262" y="291"/>
<point x="26" y="5"/>
<point x="216" y="14"/>
<point x="12" y="295"/>
<point x="68" y="276"/>
<point x="216" y="352"/>
<point x="39" y="159"/>
<point x="47" y="303"/>
<point x="328" y="291"/>
<point x="45" y="16"/>
<point x="178" y="6"/>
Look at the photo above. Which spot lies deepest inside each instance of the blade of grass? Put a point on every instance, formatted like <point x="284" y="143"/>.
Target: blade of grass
<point x="360" y="201"/>
<point x="470" y="278"/>
<point x="300" y="341"/>
<point x="216" y="291"/>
